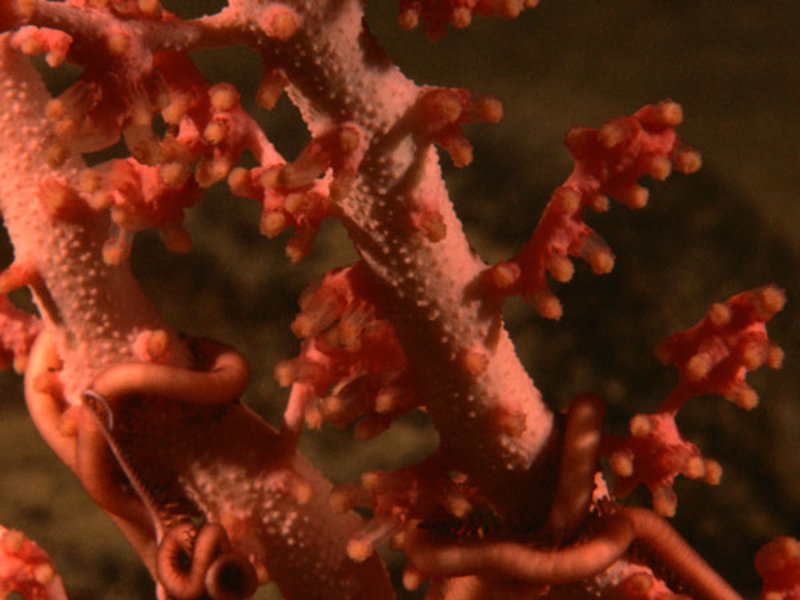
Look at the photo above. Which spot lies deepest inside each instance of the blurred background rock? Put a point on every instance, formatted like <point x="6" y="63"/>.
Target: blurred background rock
<point x="735" y="68"/>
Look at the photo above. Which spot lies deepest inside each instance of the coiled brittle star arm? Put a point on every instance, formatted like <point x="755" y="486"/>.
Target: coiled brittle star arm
<point x="194" y="560"/>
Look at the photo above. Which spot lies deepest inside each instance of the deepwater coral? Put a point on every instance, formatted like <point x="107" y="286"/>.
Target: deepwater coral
<point x="116" y="390"/>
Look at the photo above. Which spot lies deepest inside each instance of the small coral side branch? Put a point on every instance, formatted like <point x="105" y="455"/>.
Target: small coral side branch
<point x="713" y="357"/>
<point x="27" y="569"/>
<point x="609" y="162"/>
<point x="778" y="563"/>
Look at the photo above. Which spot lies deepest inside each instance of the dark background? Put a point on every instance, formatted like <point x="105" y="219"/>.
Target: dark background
<point x="732" y="65"/>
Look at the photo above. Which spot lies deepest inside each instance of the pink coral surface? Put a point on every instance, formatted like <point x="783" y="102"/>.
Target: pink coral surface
<point x="415" y="323"/>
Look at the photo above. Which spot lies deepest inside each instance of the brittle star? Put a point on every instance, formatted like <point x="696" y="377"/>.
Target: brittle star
<point x="137" y="481"/>
<point x="214" y="499"/>
<point x="616" y="531"/>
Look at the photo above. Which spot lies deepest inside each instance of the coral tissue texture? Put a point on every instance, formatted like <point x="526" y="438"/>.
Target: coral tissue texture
<point x="280" y="276"/>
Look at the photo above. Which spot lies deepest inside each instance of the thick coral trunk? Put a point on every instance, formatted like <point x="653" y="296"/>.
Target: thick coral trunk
<point x="96" y="312"/>
<point x="491" y="419"/>
<point x="96" y="317"/>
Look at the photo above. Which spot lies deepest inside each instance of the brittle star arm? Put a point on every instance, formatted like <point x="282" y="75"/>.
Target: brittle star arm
<point x="191" y="558"/>
<point x="614" y="535"/>
<point x="75" y="438"/>
<point x="583" y="433"/>
<point x="186" y="445"/>
<point x="184" y="558"/>
<point x="224" y="380"/>
<point x="509" y="560"/>
<point x="188" y="559"/>
<point x="670" y="547"/>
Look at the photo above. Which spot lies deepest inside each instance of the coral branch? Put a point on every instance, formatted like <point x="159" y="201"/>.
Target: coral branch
<point x="778" y="563"/>
<point x="215" y="500"/>
<point x="714" y="356"/>
<point x="283" y="525"/>
<point x="18" y="330"/>
<point x="98" y="308"/>
<point x="437" y="14"/>
<point x="609" y="161"/>
<point x="27" y="569"/>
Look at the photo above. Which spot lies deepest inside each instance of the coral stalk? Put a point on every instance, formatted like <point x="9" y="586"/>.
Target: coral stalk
<point x="97" y="310"/>
<point x="215" y="500"/>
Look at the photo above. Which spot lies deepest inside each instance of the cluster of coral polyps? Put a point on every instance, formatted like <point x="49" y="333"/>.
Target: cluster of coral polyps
<point x="215" y="500"/>
<point x="713" y="357"/>
<point x="778" y="563"/>
<point x="27" y="569"/>
<point x="609" y="162"/>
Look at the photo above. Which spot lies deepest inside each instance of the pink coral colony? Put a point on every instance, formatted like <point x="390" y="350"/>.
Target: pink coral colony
<point x="217" y="502"/>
